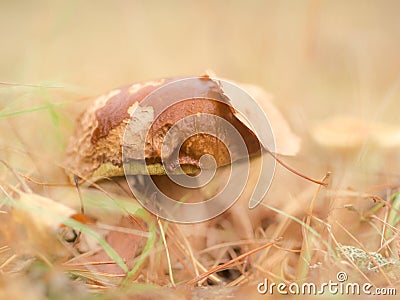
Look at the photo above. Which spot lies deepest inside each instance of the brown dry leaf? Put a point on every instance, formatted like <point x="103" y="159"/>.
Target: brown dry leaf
<point x="287" y="142"/>
<point x="124" y="243"/>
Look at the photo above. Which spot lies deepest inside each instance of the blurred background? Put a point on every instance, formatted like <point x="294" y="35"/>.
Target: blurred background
<point x="318" y="59"/>
<point x="315" y="57"/>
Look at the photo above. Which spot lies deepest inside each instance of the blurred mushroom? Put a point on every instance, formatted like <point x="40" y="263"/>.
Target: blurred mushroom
<point x="344" y="133"/>
<point x="348" y="139"/>
<point x="349" y="133"/>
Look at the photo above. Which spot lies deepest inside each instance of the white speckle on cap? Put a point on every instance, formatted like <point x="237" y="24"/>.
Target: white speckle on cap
<point x="137" y="86"/>
<point x="102" y="100"/>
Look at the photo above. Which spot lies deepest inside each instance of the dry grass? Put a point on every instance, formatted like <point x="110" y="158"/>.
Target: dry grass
<point x="319" y="59"/>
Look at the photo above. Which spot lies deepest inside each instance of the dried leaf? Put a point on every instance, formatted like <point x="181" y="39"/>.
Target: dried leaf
<point x="287" y="143"/>
<point x="124" y="243"/>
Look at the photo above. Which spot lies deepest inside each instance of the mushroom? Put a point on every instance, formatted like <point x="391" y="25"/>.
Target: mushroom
<point x="346" y="133"/>
<point x="94" y="151"/>
<point x="351" y="141"/>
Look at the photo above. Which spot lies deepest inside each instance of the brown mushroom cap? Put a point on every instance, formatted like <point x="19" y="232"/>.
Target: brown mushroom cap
<point x="95" y="149"/>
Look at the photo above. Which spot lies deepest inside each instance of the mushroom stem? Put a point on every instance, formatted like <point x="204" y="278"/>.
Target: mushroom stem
<point x="294" y="171"/>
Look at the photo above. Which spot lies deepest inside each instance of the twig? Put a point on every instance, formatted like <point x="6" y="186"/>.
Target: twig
<point x="167" y="252"/>
<point x="10" y="259"/>
<point x="231" y="262"/>
<point x="76" y="180"/>
<point x="30" y="179"/>
<point x="23" y="183"/>
<point x="294" y="171"/>
<point x="189" y="249"/>
<point x="184" y="251"/>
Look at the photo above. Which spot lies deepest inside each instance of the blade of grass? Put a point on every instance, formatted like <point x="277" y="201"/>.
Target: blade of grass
<point x="300" y="222"/>
<point x="146" y="251"/>
<point x="28" y="110"/>
<point x="308" y="240"/>
<point x="293" y="218"/>
<point x="393" y="218"/>
<point x="102" y="242"/>
<point x="28" y="85"/>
